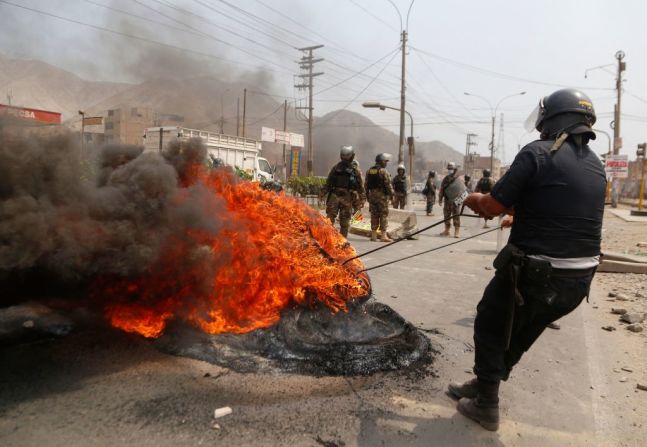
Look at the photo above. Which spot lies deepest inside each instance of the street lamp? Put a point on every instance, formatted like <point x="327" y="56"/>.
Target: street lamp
<point x="493" y="111"/>
<point x="378" y="105"/>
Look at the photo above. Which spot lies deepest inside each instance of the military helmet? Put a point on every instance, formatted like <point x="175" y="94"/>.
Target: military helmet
<point x="383" y="157"/>
<point x="401" y="166"/>
<point x="565" y="110"/>
<point x="487" y="173"/>
<point x="346" y="152"/>
<point x="432" y="173"/>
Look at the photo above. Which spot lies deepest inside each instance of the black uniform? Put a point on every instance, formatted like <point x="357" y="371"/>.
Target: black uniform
<point x="558" y="201"/>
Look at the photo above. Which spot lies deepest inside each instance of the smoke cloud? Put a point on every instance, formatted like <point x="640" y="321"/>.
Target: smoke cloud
<point x="59" y="214"/>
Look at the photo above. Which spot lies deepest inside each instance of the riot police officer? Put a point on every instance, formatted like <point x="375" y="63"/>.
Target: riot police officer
<point x="555" y="188"/>
<point x="468" y="183"/>
<point x="400" y="188"/>
<point x="343" y="180"/>
<point x="380" y="192"/>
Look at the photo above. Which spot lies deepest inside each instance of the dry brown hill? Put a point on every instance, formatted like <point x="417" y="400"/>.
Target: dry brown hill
<point x="202" y="101"/>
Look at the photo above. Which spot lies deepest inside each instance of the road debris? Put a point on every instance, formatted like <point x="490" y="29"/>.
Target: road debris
<point x="221" y="412"/>
<point x="636" y="327"/>
<point x="609" y="328"/>
<point x="641" y="387"/>
<point x="554" y="325"/>
<point x="618" y="311"/>
<point x="632" y="318"/>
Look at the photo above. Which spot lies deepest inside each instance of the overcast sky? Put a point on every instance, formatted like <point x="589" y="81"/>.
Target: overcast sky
<point x="489" y="48"/>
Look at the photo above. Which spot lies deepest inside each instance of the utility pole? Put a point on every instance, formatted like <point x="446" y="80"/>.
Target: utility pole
<point x="244" y="109"/>
<point x="617" y="139"/>
<point x="82" y="113"/>
<point x="285" y="129"/>
<point x="469" y="157"/>
<point x="500" y="145"/>
<point x="238" y="116"/>
<point x="402" y="96"/>
<point x="307" y="63"/>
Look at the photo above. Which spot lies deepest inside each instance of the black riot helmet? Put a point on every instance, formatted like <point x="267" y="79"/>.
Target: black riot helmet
<point x="567" y="110"/>
<point x="487" y="173"/>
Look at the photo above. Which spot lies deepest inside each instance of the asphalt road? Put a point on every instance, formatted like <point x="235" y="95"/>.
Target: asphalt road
<point x="104" y="388"/>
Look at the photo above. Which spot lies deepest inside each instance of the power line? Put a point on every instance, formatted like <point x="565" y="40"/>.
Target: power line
<point x="390" y="53"/>
<point x="499" y="74"/>
<point x="379" y="19"/>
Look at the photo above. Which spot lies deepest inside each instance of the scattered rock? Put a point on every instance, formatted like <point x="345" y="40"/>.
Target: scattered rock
<point x="623" y="379"/>
<point x="641" y="387"/>
<point x="394" y="296"/>
<point x="554" y="325"/>
<point x="612" y="294"/>
<point x="487" y="267"/>
<point x="618" y="311"/>
<point x="629" y="370"/>
<point x="636" y="327"/>
<point x="632" y="318"/>
<point x="596" y="307"/>
<point x="468" y="371"/>
<point x="639" y="295"/>
<point x="609" y="328"/>
<point x="622" y="297"/>
<point x="220" y="412"/>
<point x="616" y="370"/>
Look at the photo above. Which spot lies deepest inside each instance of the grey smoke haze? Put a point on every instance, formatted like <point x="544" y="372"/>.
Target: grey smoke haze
<point x="56" y="217"/>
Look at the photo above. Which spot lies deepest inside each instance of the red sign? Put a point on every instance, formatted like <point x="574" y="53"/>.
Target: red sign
<point x="41" y="116"/>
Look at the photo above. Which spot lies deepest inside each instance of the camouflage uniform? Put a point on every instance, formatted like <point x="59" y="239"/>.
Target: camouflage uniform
<point x="343" y="181"/>
<point x="430" y="193"/>
<point x="484" y="185"/>
<point x="380" y="193"/>
<point x="449" y="208"/>
<point x="399" y="191"/>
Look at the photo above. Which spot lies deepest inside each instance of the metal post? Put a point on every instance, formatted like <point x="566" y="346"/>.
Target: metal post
<point x="285" y="129"/>
<point x="82" y="113"/>
<point x="161" y="139"/>
<point x="244" y="109"/>
<point x="642" y="184"/>
<point x="492" y="145"/>
<point x="402" y="97"/>
<point x="617" y="139"/>
<point x="238" y="116"/>
<point x="310" y="151"/>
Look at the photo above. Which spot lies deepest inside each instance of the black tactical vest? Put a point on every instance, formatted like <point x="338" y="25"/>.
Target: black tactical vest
<point x="344" y="177"/>
<point x="373" y="178"/>
<point x="400" y="184"/>
<point x="560" y="211"/>
<point x="484" y="185"/>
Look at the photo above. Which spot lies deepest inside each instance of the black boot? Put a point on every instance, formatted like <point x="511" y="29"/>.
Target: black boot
<point x="465" y="389"/>
<point x="484" y="408"/>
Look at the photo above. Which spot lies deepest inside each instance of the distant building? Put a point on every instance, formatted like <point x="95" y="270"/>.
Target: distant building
<point x="127" y="125"/>
<point x="20" y="121"/>
<point x="474" y="164"/>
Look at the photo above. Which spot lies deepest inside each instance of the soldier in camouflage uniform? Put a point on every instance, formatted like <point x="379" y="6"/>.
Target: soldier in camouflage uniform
<point x="357" y="201"/>
<point x="429" y="192"/>
<point x="450" y="207"/>
<point x="380" y="192"/>
<point x="344" y="180"/>
<point x="400" y="188"/>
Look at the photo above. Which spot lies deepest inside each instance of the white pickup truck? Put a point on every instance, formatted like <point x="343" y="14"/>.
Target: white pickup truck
<point x="239" y="152"/>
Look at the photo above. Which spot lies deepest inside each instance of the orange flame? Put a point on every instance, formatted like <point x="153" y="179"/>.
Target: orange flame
<point x="272" y="252"/>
